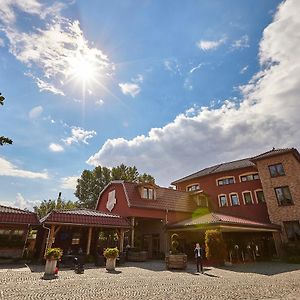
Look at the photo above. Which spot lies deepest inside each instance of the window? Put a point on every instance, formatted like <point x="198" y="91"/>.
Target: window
<point x="223" y="200"/>
<point x="260" y="198"/>
<point x="250" y="177"/>
<point x="76" y="238"/>
<point x="234" y="199"/>
<point x="283" y="195"/>
<point x="148" y="193"/>
<point x="193" y="187"/>
<point x="247" y="197"/>
<point x="276" y="170"/>
<point x="292" y="229"/>
<point x="225" y="181"/>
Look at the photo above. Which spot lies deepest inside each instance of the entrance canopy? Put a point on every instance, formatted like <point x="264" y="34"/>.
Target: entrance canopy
<point x="225" y="223"/>
<point x="85" y="217"/>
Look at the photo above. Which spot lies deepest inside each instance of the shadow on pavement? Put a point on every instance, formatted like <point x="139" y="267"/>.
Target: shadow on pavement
<point x="263" y="268"/>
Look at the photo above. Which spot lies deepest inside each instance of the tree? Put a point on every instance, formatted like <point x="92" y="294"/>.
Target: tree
<point x="91" y="183"/>
<point x="47" y="206"/>
<point x="215" y="246"/>
<point x="3" y="139"/>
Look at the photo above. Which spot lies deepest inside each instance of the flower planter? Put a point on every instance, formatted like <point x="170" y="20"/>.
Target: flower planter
<point x="50" y="269"/>
<point x="137" y="256"/>
<point x="111" y="263"/>
<point x="176" y="261"/>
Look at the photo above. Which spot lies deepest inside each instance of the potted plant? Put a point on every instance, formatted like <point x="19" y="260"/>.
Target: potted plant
<point x="111" y="255"/>
<point x="52" y="256"/>
<point x="176" y="260"/>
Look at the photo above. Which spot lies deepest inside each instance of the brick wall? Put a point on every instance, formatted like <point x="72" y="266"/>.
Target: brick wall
<point x="291" y="166"/>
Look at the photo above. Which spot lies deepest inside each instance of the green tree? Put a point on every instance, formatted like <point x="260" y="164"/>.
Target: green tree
<point x="47" y="206"/>
<point x="91" y="183"/>
<point x="3" y="139"/>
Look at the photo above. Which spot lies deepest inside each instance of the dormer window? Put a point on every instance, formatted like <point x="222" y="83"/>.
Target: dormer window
<point x="148" y="193"/>
<point x="193" y="187"/>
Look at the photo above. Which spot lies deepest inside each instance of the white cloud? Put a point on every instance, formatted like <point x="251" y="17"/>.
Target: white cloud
<point x="267" y="116"/>
<point x="243" y="42"/>
<point x="138" y="79"/>
<point x="53" y="48"/>
<point x="2" y="44"/>
<point x="207" y="45"/>
<point x="35" y="112"/>
<point x="69" y="183"/>
<point x="23" y="203"/>
<point x="99" y="102"/>
<point x="129" y="88"/>
<point x="79" y="135"/>
<point x="243" y="70"/>
<point x="56" y="147"/>
<point x="172" y="66"/>
<point x="8" y="169"/>
<point x="196" y="68"/>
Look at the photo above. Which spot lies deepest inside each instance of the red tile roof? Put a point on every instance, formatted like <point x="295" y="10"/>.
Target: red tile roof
<point x="82" y="216"/>
<point x="220" y="219"/>
<point x="166" y="198"/>
<point x="10" y="215"/>
<point x="275" y="152"/>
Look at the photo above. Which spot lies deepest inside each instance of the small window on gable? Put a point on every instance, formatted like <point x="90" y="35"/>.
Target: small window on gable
<point x="192" y="188"/>
<point x="225" y="181"/>
<point x="148" y="193"/>
<point x="276" y="170"/>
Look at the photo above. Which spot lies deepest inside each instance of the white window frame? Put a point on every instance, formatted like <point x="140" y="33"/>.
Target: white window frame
<point x="225" y="177"/>
<point x="246" y="174"/>
<point x="259" y="190"/>
<point x="196" y="183"/>
<point x="234" y="193"/>
<point x="219" y="198"/>
<point x="243" y="193"/>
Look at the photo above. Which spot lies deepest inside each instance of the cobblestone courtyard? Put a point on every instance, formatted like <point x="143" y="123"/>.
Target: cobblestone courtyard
<point x="151" y="281"/>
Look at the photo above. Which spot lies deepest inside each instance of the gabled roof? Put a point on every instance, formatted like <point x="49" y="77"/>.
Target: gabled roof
<point x="221" y="219"/>
<point x="166" y="199"/>
<point x="228" y="166"/>
<point x="275" y="152"/>
<point x="83" y="216"/>
<point x="11" y="215"/>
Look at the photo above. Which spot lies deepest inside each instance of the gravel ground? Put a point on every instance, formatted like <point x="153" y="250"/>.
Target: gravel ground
<point x="151" y="281"/>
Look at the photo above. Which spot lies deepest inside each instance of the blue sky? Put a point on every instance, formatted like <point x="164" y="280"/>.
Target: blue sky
<point x="169" y="86"/>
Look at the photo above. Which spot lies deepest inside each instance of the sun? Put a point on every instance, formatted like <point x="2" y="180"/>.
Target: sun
<point x="83" y="68"/>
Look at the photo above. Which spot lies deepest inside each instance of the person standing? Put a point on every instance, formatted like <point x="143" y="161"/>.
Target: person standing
<point x="198" y="257"/>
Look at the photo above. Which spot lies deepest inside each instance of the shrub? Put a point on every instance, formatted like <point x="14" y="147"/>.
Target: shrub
<point x="215" y="246"/>
<point x="294" y="259"/>
<point x="54" y="253"/>
<point x="111" y="252"/>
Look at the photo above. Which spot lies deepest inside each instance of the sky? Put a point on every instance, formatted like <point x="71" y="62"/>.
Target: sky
<point x="168" y="86"/>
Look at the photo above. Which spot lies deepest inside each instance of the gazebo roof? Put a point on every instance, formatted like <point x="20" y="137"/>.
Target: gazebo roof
<point x="83" y="216"/>
<point x="11" y="215"/>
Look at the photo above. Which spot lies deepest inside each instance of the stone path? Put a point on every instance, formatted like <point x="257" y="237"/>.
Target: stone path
<point x="151" y="281"/>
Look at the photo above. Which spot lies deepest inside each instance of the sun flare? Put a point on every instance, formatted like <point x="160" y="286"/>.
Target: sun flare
<point x="83" y="69"/>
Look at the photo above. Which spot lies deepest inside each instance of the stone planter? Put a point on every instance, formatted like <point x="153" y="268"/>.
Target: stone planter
<point x="50" y="269"/>
<point x="176" y="261"/>
<point x="137" y="256"/>
<point x="111" y="263"/>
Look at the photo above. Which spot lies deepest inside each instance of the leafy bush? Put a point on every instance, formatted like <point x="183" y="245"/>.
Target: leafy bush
<point x="215" y="246"/>
<point x="111" y="252"/>
<point x="54" y="253"/>
<point x="294" y="259"/>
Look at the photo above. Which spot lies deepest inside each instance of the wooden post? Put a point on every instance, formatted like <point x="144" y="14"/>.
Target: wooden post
<point x="121" y="240"/>
<point x="50" y="238"/>
<point x="88" y="246"/>
<point x="132" y="232"/>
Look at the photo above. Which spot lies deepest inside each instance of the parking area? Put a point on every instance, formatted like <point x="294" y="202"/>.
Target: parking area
<point x="150" y="280"/>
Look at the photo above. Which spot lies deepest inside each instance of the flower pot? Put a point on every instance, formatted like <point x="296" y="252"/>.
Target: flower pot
<point x="111" y="263"/>
<point x="176" y="261"/>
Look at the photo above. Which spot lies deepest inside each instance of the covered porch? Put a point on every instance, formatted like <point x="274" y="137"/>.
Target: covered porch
<point x="82" y="230"/>
<point x="246" y="240"/>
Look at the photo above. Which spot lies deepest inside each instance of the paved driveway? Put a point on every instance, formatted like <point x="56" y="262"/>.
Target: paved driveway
<point x="151" y="281"/>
